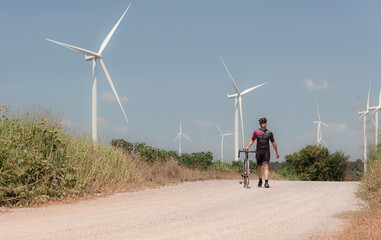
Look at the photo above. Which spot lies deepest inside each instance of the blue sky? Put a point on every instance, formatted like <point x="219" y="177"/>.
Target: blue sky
<point x="164" y="62"/>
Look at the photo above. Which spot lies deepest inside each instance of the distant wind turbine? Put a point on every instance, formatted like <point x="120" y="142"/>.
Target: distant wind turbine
<point x="363" y="115"/>
<point x="92" y="56"/>
<point x="179" y="134"/>
<point x="319" y="128"/>
<point x="375" y="112"/>
<point x="222" y="135"/>
<point x="238" y="104"/>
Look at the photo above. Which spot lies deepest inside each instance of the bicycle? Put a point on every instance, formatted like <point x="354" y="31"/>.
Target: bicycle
<point x="246" y="168"/>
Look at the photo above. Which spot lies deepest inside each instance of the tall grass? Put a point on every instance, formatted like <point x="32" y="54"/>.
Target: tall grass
<point x="41" y="161"/>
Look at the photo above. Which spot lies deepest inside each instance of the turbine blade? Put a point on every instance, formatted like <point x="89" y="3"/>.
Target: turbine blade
<point x="367" y="103"/>
<point x="324" y="124"/>
<point x="377" y="109"/>
<point x="107" y="39"/>
<point x="112" y="86"/>
<point x="186" y="137"/>
<point x="317" y="104"/>
<point x="74" y="48"/>
<point x="230" y="76"/>
<point x="363" y="114"/>
<point x="374" y="123"/>
<point x="324" y="142"/>
<point x="227" y="134"/>
<point x="218" y="127"/>
<point x="251" y="89"/>
<point x="178" y="135"/>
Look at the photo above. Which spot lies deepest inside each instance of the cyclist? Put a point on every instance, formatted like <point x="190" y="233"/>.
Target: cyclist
<point x="263" y="149"/>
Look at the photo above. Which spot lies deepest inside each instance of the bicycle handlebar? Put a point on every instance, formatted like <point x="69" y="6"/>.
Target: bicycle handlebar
<point x="239" y="152"/>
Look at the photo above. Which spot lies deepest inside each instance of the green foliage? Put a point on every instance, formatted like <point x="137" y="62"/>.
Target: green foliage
<point x="39" y="160"/>
<point x="200" y="160"/>
<point x="315" y="163"/>
<point x="33" y="157"/>
<point x="288" y="171"/>
<point x="355" y="171"/>
<point x="371" y="182"/>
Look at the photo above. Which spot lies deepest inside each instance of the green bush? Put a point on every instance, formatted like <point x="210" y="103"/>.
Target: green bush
<point x="315" y="163"/>
<point x="39" y="160"/>
<point x="33" y="158"/>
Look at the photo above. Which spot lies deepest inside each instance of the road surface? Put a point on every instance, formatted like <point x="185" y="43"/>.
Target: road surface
<point x="217" y="209"/>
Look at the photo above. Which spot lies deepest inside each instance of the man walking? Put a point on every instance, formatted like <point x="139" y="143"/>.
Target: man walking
<point x="263" y="149"/>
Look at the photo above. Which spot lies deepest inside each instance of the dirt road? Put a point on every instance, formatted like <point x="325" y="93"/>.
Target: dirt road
<point x="198" y="210"/>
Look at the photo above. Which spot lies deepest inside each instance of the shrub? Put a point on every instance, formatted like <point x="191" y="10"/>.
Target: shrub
<point x="315" y="163"/>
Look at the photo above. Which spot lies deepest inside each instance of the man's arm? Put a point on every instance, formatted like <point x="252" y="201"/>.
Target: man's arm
<point x="275" y="148"/>
<point x="250" y="143"/>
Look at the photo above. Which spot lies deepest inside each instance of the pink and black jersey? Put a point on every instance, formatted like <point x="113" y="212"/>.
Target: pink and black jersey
<point x="263" y="138"/>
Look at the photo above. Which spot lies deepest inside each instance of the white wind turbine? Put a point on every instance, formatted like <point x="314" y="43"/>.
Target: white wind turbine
<point x="222" y="135"/>
<point x="375" y="112"/>
<point x="363" y="115"/>
<point x="92" y="56"/>
<point x="179" y="134"/>
<point x="319" y="133"/>
<point x="238" y="104"/>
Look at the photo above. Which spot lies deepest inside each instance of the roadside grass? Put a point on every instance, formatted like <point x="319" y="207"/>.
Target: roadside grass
<point x="365" y="223"/>
<point x="42" y="162"/>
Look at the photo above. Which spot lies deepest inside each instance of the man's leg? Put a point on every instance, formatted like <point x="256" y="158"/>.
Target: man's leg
<point x="266" y="167"/>
<point x="260" y="172"/>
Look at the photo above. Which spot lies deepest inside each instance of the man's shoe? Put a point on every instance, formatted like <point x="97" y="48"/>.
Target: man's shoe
<point x="260" y="183"/>
<point x="267" y="185"/>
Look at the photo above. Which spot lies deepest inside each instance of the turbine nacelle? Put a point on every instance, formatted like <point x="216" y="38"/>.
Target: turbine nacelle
<point x="90" y="58"/>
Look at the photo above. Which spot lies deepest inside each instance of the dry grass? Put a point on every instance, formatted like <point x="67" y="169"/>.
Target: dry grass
<point x="365" y="223"/>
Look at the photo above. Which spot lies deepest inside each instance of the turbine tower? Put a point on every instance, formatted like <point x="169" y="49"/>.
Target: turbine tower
<point x="222" y="135"/>
<point x="179" y="134"/>
<point x="319" y="134"/>
<point x="375" y="112"/>
<point x="92" y="56"/>
<point x="363" y="115"/>
<point x="238" y="105"/>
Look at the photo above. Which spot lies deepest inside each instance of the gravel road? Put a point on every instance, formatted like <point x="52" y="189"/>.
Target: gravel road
<point x="218" y="209"/>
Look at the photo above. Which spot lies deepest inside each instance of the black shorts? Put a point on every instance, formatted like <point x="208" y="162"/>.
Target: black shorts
<point x="263" y="157"/>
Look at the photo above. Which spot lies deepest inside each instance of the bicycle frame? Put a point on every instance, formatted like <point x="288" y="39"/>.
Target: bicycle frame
<point x="246" y="168"/>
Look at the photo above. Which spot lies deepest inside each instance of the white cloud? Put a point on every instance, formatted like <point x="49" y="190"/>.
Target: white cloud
<point x="109" y="96"/>
<point x="204" y="124"/>
<point x="338" y="127"/>
<point x="356" y="133"/>
<point x="311" y="85"/>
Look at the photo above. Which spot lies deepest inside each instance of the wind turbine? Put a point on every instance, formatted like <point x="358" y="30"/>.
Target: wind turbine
<point x="179" y="134"/>
<point x="238" y="104"/>
<point x="375" y="112"/>
<point x="319" y="128"/>
<point x="363" y="115"/>
<point x="92" y="56"/>
<point x="222" y="135"/>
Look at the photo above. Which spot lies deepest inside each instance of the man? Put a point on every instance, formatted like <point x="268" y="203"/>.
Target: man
<point x="263" y="149"/>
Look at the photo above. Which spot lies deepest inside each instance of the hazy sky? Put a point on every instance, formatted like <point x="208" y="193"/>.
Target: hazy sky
<point x="164" y="62"/>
